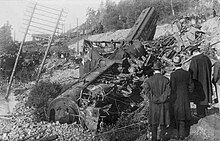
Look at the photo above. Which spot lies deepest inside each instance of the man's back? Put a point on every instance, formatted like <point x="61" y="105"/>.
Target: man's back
<point x="200" y="66"/>
<point x="200" y="69"/>
<point x="157" y="89"/>
<point x="158" y="84"/>
<point x="181" y="79"/>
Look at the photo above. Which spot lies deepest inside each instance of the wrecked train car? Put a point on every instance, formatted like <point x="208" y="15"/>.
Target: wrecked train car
<point x="103" y="91"/>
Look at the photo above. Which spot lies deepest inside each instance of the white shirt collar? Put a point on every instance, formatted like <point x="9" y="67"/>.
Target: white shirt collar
<point x="156" y="71"/>
<point x="177" y="68"/>
<point x="197" y="53"/>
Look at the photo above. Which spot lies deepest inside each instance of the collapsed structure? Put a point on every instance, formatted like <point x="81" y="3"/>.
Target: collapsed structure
<point x="103" y="92"/>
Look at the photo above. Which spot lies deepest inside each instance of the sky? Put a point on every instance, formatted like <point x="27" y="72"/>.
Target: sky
<point x="14" y="11"/>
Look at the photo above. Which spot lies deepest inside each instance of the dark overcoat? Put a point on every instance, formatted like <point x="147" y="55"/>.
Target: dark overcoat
<point x="200" y="69"/>
<point x="216" y="73"/>
<point x="180" y="83"/>
<point x="157" y="89"/>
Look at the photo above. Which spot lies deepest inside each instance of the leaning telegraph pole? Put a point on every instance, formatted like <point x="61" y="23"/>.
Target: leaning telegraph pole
<point x="41" y="20"/>
<point x="19" y="52"/>
<point x="77" y="36"/>
<point x="171" y="4"/>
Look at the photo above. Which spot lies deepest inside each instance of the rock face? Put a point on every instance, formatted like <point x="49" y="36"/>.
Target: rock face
<point x="208" y="128"/>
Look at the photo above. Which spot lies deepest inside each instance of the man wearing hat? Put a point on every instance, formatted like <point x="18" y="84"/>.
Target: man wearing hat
<point x="156" y="89"/>
<point x="200" y="69"/>
<point x="216" y="76"/>
<point x="125" y="63"/>
<point x="180" y="83"/>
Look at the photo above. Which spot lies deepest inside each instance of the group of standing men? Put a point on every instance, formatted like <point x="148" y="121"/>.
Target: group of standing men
<point x="170" y="98"/>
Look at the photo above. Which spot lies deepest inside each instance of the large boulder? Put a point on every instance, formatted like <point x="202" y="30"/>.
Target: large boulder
<point x="207" y="128"/>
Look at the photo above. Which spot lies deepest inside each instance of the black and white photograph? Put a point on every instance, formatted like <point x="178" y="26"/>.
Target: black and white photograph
<point x="109" y="70"/>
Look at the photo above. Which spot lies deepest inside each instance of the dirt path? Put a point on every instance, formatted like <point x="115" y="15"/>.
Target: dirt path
<point x="6" y="107"/>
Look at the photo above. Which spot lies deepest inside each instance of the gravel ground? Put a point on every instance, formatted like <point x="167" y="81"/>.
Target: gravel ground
<point x="22" y="126"/>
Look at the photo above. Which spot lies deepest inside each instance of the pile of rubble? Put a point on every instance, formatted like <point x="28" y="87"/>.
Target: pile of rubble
<point x="61" y="70"/>
<point x="21" y="125"/>
<point x="212" y="29"/>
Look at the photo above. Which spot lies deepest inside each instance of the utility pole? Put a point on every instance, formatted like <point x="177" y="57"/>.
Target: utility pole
<point x="64" y="28"/>
<point x="70" y="31"/>
<point x="77" y="36"/>
<point x="171" y="4"/>
<point x="19" y="52"/>
<point x="38" y="20"/>
<point x="14" y="35"/>
<point x="86" y="29"/>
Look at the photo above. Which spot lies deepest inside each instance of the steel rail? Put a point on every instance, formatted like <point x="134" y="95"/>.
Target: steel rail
<point x="45" y="16"/>
<point x="48" y="48"/>
<point x="47" y="11"/>
<point x="41" y="28"/>
<point x="42" y="24"/>
<point x="51" y="8"/>
<point x="44" y="20"/>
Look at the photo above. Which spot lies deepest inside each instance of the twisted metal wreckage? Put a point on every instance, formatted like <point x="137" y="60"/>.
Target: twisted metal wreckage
<point x="103" y="93"/>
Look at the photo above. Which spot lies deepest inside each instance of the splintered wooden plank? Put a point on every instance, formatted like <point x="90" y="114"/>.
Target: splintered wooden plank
<point x="145" y="26"/>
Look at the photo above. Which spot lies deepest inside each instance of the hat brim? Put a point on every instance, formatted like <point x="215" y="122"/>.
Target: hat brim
<point x="177" y="63"/>
<point x="194" y="49"/>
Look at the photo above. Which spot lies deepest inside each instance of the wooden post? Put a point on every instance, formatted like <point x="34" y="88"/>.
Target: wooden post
<point x="14" y="35"/>
<point x="48" y="48"/>
<point x="77" y="37"/>
<point x="171" y="3"/>
<point x="19" y="52"/>
<point x="86" y="29"/>
<point x="70" y="32"/>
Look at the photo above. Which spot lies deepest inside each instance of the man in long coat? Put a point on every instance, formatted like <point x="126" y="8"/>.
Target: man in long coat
<point x="157" y="90"/>
<point x="181" y="85"/>
<point x="200" y="69"/>
<point x="216" y="77"/>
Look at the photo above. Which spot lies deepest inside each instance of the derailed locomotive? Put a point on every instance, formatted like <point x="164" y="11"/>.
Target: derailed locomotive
<point x="103" y="92"/>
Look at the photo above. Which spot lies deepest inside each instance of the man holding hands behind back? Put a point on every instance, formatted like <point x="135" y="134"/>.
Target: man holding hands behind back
<point x="156" y="89"/>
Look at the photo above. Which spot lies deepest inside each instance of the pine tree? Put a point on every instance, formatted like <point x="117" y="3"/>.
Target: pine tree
<point x="8" y="51"/>
<point x="6" y="42"/>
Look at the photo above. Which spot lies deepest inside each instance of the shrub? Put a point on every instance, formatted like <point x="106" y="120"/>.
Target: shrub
<point x="39" y="97"/>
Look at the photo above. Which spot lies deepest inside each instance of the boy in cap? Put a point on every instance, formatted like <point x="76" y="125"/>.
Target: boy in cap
<point x="156" y="89"/>
<point x="181" y="84"/>
<point x="200" y="70"/>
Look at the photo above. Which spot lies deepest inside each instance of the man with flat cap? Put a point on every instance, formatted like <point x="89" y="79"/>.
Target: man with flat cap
<point x="156" y="89"/>
<point x="200" y="69"/>
<point x="181" y="86"/>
